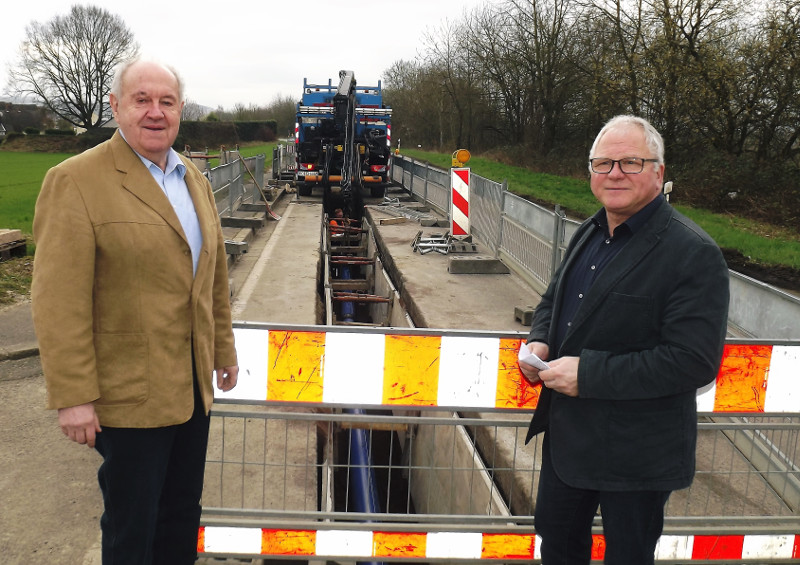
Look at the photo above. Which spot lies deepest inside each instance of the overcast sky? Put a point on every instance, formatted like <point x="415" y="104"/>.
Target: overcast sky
<point x="251" y="51"/>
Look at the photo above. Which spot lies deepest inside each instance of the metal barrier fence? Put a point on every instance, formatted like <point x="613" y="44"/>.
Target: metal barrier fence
<point x="517" y="231"/>
<point x="284" y="164"/>
<point x="531" y="240"/>
<point x="229" y="180"/>
<point x="445" y="415"/>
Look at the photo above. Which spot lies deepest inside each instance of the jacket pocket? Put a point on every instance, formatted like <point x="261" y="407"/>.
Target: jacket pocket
<point x="122" y="369"/>
<point x="625" y="322"/>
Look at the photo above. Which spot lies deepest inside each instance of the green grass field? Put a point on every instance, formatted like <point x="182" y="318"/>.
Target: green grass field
<point x="21" y="176"/>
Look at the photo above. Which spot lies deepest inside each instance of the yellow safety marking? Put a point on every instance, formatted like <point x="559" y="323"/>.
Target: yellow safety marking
<point x="295" y="366"/>
<point x="411" y="370"/>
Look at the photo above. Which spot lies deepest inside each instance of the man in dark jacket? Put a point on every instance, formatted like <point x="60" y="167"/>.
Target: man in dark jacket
<point x="632" y="324"/>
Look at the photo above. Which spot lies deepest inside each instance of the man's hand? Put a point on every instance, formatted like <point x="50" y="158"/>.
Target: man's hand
<point x="80" y="423"/>
<point x="562" y="376"/>
<point x="227" y="377"/>
<point x="541" y="350"/>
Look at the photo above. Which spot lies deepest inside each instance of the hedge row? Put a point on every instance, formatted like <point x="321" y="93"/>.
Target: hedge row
<point x="201" y="135"/>
<point x="197" y="135"/>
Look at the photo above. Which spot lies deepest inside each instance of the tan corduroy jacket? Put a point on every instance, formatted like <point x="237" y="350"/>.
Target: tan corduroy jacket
<point x="116" y="309"/>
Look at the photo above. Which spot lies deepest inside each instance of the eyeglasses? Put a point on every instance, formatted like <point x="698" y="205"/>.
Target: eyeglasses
<point x="628" y="165"/>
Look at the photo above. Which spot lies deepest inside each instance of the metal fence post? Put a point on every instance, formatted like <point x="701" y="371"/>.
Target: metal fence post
<point x="425" y="188"/>
<point x="501" y="219"/>
<point x="559" y="219"/>
<point x="260" y="166"/>
<point x="235" y="185"/>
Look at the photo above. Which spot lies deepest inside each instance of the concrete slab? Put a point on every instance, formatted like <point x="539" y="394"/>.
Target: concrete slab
<point x="282" y="269"/>
<point x="437" y="298"/>
<point x="524" y="314"/>
<point x="9" y="235"/>
<point x="478" y="264"/>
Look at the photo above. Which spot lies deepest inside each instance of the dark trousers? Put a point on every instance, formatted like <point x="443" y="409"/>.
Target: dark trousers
<point x="632" y="521"/>
<point x="152" y="482"/>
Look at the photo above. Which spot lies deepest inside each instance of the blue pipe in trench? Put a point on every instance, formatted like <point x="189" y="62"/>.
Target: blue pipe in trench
<point x="362" y="475"/>
<point x="348" y="308"/>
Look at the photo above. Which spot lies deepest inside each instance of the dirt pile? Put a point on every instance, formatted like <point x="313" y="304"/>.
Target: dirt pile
<point x="778" y="276"/>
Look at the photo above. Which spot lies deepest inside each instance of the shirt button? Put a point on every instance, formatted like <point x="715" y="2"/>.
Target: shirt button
<point x="580" y="295"/>
<point x="608" y="241"/>
<point x="569" y="324"/>
<point x="593" y="267"/>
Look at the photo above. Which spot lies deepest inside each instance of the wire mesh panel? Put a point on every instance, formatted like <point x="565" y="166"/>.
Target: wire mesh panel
<point x="486" y="205"/>
<point x="431" y="185"/>
<point x="438" y="190"/>
<point x="426" y="466"/>
<point x="442" y="466"/>
<point x="228" y="181"/>
<point x="745" y="469"/>
<point x="260" y="462"/>
<point x="530" y="252"/>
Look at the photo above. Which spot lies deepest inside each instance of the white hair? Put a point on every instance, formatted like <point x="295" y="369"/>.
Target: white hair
<point x="652" y="138"/>
<point x="122" y="68"/>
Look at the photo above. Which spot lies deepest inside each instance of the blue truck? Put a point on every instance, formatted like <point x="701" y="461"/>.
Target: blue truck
<point x="343" y="137"/>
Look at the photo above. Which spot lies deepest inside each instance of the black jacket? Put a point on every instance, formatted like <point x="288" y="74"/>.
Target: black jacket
<point x="649" y="333"/>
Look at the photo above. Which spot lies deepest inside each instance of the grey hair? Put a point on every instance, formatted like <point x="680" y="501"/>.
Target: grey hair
<point x="122" y="68"/>
<point x="653" y="139"/>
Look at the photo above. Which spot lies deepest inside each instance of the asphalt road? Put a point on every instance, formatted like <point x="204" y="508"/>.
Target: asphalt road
<point x="51" y="502"/>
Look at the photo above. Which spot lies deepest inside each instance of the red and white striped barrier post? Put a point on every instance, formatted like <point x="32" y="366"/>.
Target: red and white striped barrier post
<point x="459" y="198"/>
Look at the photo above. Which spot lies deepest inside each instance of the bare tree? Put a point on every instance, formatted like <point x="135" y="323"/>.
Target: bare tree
<point x="493" y="44"/>
<point x="415" y="93"/>
<point x="400" y="92"/>
<point x="193" y="112"/>
<point x="775" y="61"/>
<point x="68" y="63"/>
<point x="548" y="41"/>
<point x="283" y="110"/>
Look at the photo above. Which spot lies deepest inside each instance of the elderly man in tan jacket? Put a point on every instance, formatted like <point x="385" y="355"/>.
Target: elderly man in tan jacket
<point x="132" y="313"/>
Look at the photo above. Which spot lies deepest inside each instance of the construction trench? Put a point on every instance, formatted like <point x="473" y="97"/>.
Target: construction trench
<point x="342" y="461"/>
<point x="331" y="464"/>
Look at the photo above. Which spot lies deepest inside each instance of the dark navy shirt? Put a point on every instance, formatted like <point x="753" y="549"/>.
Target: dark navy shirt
<point x="592" y="258"/>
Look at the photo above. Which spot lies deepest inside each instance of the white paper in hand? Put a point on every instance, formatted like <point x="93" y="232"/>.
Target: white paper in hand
<point x="529" y="358"/>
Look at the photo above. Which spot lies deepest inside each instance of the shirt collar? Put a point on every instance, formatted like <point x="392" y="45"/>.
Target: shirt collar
<point x="635" y="222"/>
<point x="173" y="160"/>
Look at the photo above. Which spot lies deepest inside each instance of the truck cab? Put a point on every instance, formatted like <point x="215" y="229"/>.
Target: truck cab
<point x="343" y="136"/>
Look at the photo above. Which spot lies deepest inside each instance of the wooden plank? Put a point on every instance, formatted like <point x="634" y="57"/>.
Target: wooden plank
<point x="9" y="236"/>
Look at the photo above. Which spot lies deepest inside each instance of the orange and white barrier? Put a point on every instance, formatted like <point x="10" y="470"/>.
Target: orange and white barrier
<point x="462" y="370"/>
<point x="365" y="544"/>
<point x="374" y="368"/>
<point x="755" y="378"/>
<point x="503" y="547"/>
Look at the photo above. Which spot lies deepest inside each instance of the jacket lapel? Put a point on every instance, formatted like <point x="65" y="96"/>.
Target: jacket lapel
<point x="197" y="191"/>
<point x="139" y="182"/>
